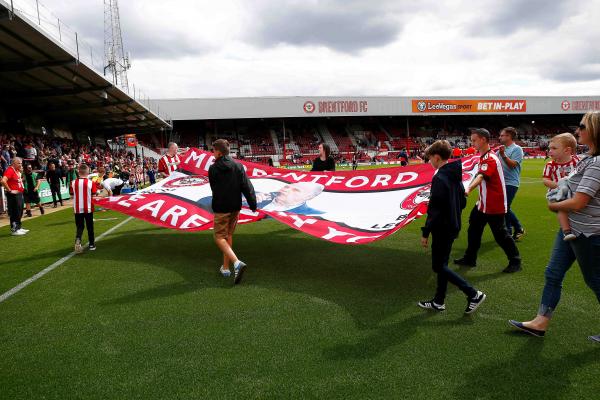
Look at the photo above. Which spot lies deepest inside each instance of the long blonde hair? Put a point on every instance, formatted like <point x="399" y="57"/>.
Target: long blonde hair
<point x="591" y="120"/>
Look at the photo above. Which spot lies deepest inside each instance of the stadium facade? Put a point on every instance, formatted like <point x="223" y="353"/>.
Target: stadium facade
<point x="307" y="106"/>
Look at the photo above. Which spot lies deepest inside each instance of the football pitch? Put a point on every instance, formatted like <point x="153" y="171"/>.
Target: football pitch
<point x="147" y="316"/>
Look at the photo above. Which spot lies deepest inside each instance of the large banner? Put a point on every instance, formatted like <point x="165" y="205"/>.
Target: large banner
<point x="350" y="207"/>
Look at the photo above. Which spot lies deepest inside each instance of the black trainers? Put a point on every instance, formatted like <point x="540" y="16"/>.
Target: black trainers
<point x="518" y="235"/>
<point x="238" y="272"/>
<point x="465" y="262"/>
<point x="92" y="247"/>
<point x="474" y="303"/>
<point x="512" y="268"/>
<point x="28" y="213"/>
<point x="431" y="305"/>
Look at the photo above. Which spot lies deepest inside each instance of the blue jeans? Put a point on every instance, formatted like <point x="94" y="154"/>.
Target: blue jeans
<point x="586" y="250"/>
<point x="511" y="218"/>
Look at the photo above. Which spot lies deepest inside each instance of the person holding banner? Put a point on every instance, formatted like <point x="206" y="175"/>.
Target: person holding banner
<point x="228" y="181"/>
<point x="446" y="202"/>
<point x="324" y="162"/>
<point x="113" y="186"/>
<point x="170" y="161"/>
<point x="491" y="206"/>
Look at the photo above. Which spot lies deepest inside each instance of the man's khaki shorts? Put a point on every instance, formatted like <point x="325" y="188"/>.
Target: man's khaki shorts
<point x="225" y="224"/>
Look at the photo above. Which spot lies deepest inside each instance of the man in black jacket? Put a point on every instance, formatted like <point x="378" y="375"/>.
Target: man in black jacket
<point x="446" y="202"/>
<point x="228" y="182"/>
<point x="55" y="179"/>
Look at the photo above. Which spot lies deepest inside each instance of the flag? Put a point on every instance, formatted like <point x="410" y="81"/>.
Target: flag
<point x="348" y="207"/>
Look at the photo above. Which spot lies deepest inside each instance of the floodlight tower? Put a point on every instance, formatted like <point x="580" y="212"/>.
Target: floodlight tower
<point x="117" y="61"/>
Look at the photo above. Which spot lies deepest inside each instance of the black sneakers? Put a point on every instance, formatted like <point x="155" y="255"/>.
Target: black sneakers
<point x="431" y="305"/>
<point x="518" y="235"/>
<point x="512" y="267"/>
<point x="465" y="262"/>
<point x="474" y="302"/>
<point x="531" y="331"/>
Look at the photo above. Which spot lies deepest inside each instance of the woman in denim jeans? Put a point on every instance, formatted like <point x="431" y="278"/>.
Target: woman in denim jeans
<point x="584" y="216"/>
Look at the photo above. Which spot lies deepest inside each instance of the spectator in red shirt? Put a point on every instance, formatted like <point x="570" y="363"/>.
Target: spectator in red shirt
<point x="491" y="206"/>
<point x="13" y="185"/>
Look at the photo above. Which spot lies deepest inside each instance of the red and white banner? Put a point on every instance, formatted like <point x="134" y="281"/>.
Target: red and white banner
<point x="350" y="207"/>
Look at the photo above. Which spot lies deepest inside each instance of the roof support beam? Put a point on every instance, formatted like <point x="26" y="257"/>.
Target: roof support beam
<point x="58" y="92"/>
<point x="30" y="65"/>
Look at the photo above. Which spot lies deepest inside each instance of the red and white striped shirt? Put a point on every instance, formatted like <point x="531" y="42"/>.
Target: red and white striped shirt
<point x="168" y="164"/>
<point x="492" y="192"/>
<point x="83" y="189"/>
<point x="555" y="171"/>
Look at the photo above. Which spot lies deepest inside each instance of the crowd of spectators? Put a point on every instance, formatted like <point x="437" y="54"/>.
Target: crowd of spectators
<point x="59" y="157"/>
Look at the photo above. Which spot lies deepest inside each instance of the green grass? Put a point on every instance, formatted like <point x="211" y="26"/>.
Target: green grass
<point x="147" y="316"/>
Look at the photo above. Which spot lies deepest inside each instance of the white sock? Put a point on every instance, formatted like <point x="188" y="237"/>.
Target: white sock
<point x="236" y="264"/>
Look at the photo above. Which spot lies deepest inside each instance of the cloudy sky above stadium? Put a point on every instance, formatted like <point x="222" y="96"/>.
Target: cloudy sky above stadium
<point x="230" y="48"/>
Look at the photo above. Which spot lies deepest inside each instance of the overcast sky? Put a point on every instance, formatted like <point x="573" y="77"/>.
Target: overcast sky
<point x="230" y="48"/>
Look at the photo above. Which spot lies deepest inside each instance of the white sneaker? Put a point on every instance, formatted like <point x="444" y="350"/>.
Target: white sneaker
<point x="24" y="230"/>
<point x="569" y="236"/>
<point x="225" y="272"/>
<point x="78" y="247"/>
<point x="18" y="233"/>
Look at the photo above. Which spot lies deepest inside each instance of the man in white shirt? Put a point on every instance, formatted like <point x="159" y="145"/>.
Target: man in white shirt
<point x="113" y="186"/>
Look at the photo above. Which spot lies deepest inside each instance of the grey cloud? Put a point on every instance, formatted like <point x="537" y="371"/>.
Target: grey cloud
<point x="568" y="74"/>
<point x="509" y="16"/>
<point x="142" y="39"/>
<point x="578" y="68"/>
<point x="342" y="26"/>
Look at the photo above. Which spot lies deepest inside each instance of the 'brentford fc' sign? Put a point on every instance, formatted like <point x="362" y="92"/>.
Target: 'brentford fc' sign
<point x="337" y="107"/>
<point x="580" y="105"/>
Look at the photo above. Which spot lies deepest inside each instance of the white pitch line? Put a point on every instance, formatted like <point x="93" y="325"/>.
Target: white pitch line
<point x="57" y="264"/>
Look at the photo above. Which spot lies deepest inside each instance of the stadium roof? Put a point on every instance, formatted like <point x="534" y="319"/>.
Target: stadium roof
<point x="41" y="76"/>
<point x="280" y="107"/>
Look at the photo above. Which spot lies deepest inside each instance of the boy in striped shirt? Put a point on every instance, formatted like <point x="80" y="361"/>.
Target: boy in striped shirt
<point x="83" y="190"/>
<point x="562" y="150"/>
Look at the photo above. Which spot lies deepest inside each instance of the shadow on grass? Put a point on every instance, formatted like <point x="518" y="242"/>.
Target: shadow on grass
<point x="371" y="283"/>
<point x="528" y="375"/>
